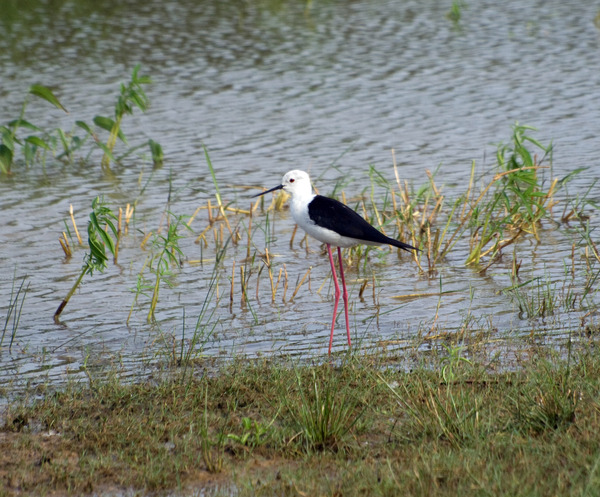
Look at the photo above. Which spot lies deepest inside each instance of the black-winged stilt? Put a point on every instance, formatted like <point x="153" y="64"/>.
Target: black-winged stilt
<point x="332" y="223"/>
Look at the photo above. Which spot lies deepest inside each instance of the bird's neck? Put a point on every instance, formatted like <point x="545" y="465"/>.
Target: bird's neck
<point x="299" y="202"/>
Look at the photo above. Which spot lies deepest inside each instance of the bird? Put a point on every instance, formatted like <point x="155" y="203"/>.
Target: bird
<point x="333" y="223"/>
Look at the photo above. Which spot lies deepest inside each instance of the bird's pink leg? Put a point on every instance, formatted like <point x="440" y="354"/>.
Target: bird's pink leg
<point x="345" y="295"/>
<point x="337" y="295"/>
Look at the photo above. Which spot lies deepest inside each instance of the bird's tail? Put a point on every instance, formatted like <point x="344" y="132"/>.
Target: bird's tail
<point x="402" y="245"/>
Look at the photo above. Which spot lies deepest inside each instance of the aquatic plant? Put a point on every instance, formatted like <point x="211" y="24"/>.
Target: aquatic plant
<point x="511" y="204"/>
<point x="99" y="240"/>
<point x="15" y="307"/>
<point x="206" y="321"/>
<point x="455" y="12"/>
<point x="541" y="300"/>
<point x="63" y="144"/>
<point x="165" y="252"/>
<point x="11" y="138"/>
<point x="132" y="95"/>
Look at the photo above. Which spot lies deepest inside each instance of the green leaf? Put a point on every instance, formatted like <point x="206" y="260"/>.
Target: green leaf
<point x="108" y="241"/>
<point x="85" y="127"/>
<point x="94" y="220"/>
<point x="569" y="176"/>
<point x="6" y="157"/>
<point x="8" y="140"/>
<point x="525" y="156"/>
<point x="537" y="143"/>
<point x="38" y="142"/>
<point x="108" y="124"/>
<point x="105" y="123"/>
<point x="63" y="139"/>
<point x="46" y="94"/>
<point x="97" y="251"/>
<point x="107" y="151"/>
<point x="22" y="123"/>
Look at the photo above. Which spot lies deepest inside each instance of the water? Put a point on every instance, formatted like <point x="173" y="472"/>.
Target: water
<point x="267" y="87"/>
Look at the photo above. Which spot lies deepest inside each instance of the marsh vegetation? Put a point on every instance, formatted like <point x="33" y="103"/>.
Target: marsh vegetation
<point x="439" y="409"/>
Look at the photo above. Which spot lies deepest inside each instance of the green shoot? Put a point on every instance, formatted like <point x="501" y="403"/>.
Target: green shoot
<point x="132" y="95"/>
<point x="99" y="240"/>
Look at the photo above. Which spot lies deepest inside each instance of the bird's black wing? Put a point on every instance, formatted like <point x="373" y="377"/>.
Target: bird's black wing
<point x="335" y="216"/>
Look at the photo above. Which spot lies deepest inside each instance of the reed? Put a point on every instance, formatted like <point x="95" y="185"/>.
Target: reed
<point x="14" y="310"/>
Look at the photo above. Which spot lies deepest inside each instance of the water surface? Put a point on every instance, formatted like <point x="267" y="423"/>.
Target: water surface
<point x="268" y="87"/>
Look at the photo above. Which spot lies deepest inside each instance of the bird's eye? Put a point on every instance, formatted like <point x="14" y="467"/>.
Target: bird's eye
<point x="292" y="180"/>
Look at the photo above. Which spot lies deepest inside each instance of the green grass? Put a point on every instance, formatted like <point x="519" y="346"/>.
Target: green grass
<point x="279" y="428"/>
<point x="13" y="312"/>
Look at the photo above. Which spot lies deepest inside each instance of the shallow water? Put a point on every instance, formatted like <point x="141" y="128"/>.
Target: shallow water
<point x="267" y="87"/>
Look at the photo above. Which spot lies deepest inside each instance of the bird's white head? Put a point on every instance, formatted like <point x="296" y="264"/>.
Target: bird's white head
<point x="296" y="183"/>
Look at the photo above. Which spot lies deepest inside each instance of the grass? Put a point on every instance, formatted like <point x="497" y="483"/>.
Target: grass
<point x="15" y="307"/>
<point x="272" y="427"/>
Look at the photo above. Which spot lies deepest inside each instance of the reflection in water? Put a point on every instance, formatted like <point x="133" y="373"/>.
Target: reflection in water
<point x="269" y="86"/>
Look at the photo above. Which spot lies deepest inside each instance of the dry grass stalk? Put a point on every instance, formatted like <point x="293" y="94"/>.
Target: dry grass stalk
<point x="249" y="237"/>
<point x="210" y="216"/>
<point x="128" y="214"/>
<point x="293" y="235"/>
<point x="202" y="236"/>
<point x="74" y="224"/>
<point x="244" y="297"/>
<point x="198" y="209"/>
<point x="274" y="289"/>
<point x="64" y="243"/>
<point x="300" y="284"/>
<point x="145" y="240"/>
<point x="258" y="280"/>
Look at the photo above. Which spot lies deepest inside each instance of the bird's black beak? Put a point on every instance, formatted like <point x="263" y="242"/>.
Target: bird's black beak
<point x="268" y="191"/>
